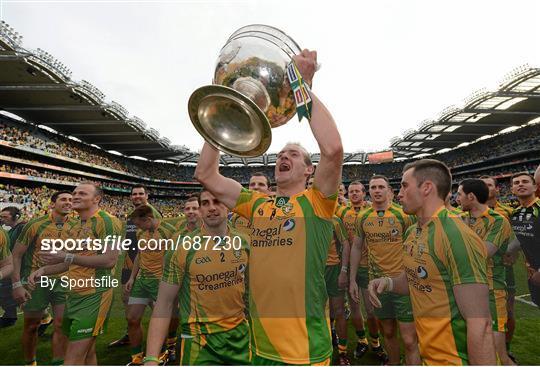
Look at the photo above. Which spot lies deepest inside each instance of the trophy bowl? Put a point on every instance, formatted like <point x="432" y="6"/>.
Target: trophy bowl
<point x="250" y="92"/>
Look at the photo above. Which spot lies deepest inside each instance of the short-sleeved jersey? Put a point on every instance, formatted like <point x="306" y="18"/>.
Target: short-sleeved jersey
<point x="495" y="229"/>
<point x="338" y="239"/>
<point x="456" y="211"/>
<point x="526" y="225"/>
<point x="289" y="246"/>
<point x="179" y="223"/>
<point x="241" y="224"/>
<point x="211" y="280"/>
<point x="4" y="245"/>
<point x="348" y="216"/>
<point x="151" y="256"/>
<point x="382" y="231"/>
<point x="32" y="235"/>
<point x="341" y="209"/>
<point x="442" y="253"/>
<point x="98" y="226"/>
<point x="131" y="234"/>
<point x="504" y="210"/>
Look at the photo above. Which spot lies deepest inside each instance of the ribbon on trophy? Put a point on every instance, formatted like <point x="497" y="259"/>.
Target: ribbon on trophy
<point x="302" y="95"/>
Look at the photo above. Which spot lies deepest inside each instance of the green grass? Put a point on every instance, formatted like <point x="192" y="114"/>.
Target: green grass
<point x="524" y="346"/>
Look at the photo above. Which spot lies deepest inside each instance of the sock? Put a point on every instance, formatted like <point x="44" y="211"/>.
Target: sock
<point x="361" y="336"/>
<point x="57" y="362"/>
<point x="342" y="346"/>
<point x="375" y="343"/>
<point x="31" y="362"/>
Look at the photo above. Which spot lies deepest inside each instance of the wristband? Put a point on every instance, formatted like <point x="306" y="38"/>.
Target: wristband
<point x="69" y="258"/>
<point x="16" y="285"/>
<point x="151" y="359"/>
<point x="344" y="269"/>
<point x="389" y="284"/>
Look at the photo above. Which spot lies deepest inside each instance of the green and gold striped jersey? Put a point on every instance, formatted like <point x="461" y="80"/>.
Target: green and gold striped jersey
<point x="348" y="215"/>
<point x="382" y="231"/>
<point x="211" y="279"/>
<point x="504" y="210"/>
<point x="336" y="246"/>
<point x="151" y="256"/>
<point x="495" y="229"/>
<point x="98" y="226"/>
<point x="33" y="233"/>
<point x="4" y="245"/>
<point x="290" y="237"/>
<point x="441" y="254"/>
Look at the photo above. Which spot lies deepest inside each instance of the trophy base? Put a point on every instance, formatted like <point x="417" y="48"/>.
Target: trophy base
<point x="230" y="121"/>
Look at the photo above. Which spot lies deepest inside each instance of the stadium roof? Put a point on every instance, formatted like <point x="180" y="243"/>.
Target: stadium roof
<point x="515" y="103"/>
<point x="38" y="88"/>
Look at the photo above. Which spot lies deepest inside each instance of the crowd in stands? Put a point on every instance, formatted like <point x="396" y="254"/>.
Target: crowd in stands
<point x="525" y="139"/>
<point x="34" y="137"/>
<point x="71" y="179"/>
<point x="34" y="202"/>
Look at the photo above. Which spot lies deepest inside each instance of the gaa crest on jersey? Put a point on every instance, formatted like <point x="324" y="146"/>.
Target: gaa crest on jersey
<point x="479" y="231"/>
<point x="391" y="221"/>
<point x="528" y="216"/>
<point x="260" y="211"/>
<point x="282" y="200"/>
<point x="418" y="232"/>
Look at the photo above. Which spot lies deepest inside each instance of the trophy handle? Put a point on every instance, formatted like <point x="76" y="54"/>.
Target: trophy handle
<point x="230" y="121"/>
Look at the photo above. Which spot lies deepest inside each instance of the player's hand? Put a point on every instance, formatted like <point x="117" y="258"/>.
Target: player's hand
<point x="353" y="291"/>
<point x="50" y="258"/>
<point x="21" y="295"/>
<point x="343" y="280"/>
<point x="306" y="63"/>
<point x="34" y="277"/>
<point x="128" y="286"/>
<point x="375" y="288"/>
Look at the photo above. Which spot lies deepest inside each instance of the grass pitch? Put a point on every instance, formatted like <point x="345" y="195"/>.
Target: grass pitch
<point x="525" y="345"/>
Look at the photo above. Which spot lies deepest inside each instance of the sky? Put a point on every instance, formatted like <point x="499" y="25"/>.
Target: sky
<point x="386" y="65"/>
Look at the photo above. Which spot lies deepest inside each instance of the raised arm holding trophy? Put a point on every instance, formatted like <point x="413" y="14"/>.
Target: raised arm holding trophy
<point x="287" y="292"/>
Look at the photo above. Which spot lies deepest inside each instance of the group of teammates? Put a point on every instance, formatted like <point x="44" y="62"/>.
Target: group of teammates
<point x="445" y="269"/>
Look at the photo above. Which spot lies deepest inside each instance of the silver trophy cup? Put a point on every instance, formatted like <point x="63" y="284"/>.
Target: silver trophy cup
<point x="251" y="93"/>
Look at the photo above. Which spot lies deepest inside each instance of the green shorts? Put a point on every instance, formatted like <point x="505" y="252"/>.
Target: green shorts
<point x="261" y="361"/>
<point x="331" y="275"/>
<point x="143" y="291"/>
<point x="395" y="306"/>
<point x="230" y="347"/>
<point x="362" y="277"/>
<point x="43" y="296"/>
<point x="510" y="280"/>
<point x="87" y="316"/>
<point x="497" y="307"/>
